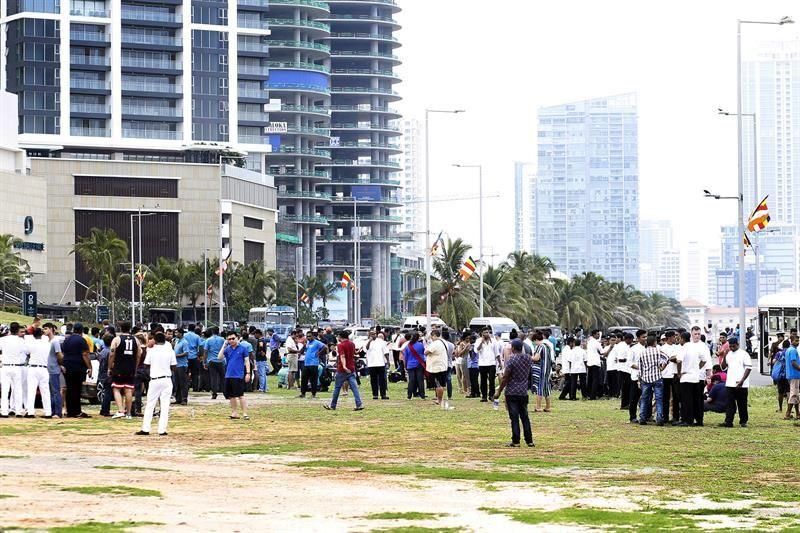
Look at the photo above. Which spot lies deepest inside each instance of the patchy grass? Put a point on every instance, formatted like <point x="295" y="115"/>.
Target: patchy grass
<point x="417" y="529"/>
<point x="13" y="456"/>
<point x="410" y="515"/>
<point x="120" y="490"/>
<point x="132" y="467"/>
<point x="102" y="527"/>
<point x="254" y="449"/>
<point x="4" y="496"/>
<point x="608" y="520"/>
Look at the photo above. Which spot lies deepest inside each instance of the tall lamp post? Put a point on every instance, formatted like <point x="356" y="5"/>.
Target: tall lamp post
<point x="480" y="217"/>
<point x="133" y="287"/>
<point x="428" y="211"/>
<point x="781" y="22"/>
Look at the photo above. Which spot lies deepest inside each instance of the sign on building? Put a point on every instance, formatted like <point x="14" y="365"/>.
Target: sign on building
<point x="276" y="127"/>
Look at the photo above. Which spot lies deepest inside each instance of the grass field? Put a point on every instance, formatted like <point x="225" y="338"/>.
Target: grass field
<point x="612" y="473"/>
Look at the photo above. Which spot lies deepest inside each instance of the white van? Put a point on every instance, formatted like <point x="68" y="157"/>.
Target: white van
<point x="496" y="324"/>
<point x="411" y="322"/>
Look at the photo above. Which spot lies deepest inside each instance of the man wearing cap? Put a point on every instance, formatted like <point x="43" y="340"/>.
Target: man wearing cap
<point x="738" y="365"/>
<point x="515" y="381"/>
<point x="14" y="356"/>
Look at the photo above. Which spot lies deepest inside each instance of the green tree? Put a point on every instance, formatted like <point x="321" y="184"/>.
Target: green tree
<point x="160" y="293"/>
<point x="102" y="253"/>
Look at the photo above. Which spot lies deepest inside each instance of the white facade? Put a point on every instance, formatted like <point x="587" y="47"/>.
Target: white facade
<point x="412" y="177"/>
<point x="714" y="262"/>
<point x="695" y="286"/>
<point x="655" y="238"/>
<point x="525" y="206"/>
<point x="669" y="273"/>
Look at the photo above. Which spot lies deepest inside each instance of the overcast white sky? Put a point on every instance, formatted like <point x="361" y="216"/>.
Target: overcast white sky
<point x="502" y="60"/>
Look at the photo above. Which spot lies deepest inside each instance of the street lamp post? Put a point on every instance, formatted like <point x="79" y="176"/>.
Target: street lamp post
<point x="133" y="287"/>
<point x="428" y="211"/>
<point x="781" y="22"/>
<point x="480" y="231"/>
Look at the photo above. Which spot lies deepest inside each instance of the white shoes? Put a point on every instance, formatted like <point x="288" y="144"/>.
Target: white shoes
<point x="118" y="415"/>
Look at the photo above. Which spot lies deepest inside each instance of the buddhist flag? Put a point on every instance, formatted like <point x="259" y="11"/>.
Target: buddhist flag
<point x="760" y="217"/>
<point x="467" y="269"/>
<point x="222" y="267"/>
<point x="140" y="274"/>
<point x="347" y="280"/>
<point x="304" y="298"/>
<point x="747" y="243"/>
<point x="435" y="245"/>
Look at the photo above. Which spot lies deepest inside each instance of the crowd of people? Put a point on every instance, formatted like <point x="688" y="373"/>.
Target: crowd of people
<point x="673" y="378"/>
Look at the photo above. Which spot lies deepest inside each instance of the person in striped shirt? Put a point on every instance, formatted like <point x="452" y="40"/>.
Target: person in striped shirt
<point x="650" y="365"/>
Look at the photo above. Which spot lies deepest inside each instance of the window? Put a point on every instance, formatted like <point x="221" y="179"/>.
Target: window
<point x="125" y="187"/>
<point x="253" y="251"/>
<point x="253" y="223"/>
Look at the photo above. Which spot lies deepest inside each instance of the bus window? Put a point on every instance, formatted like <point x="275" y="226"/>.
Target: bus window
<point x="775" y="321"/>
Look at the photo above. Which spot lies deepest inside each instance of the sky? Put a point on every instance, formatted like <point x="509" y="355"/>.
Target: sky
<point x="503" y="60"/>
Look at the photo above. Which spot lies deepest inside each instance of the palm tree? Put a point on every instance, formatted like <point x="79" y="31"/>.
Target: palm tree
<point x="13" y="269"/>
<point x="102" y="253"/>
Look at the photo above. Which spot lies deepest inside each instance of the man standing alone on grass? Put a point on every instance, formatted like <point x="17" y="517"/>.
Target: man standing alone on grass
<point x="515" y="381"/>
<point x="792" y="363"/>
<point x="650" y="364"/>
<point x="738" y="365"/>
<point x="345" y="371"/>
<point x="237" y="374"/>
<point x="160" y="360"/>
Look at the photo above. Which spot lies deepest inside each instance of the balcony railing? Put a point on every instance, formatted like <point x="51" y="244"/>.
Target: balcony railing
<point x="140" y="38"/>
<point x="355" y="126"/>
<point x="146" y="62"/>
<point x="304" y="194"/>
<point x="94" y="36"/>
<point x="354" y="163"/>
<point x="136" y="133"/>
<point x="377" y="90"/>
<point x="304" y="109"/>
<point x="363" y="53"/>
<point x="254" y="116"/>
<point x="254" y="70"/>
<point x="278" y="172"/>
<point x="364" y="71"/>
<point x="255" y="3"/>
<point x="299" y="22"/>
<point x="148" y="15"/>
<point x="247" y="46"/>
<point x="359" y="35"/>
<point x="149" y="87"/>
<point x="99" y="61"/>
<point x="304" y="219"/>
<point x="298" y="87"/>
<point x="361" y="17"/>
<point x="80" y="107"/>
<point x="379" y="218"/>
<point x="253" y="93"/>
<point x="298" y="65"/>
<point x="80" y="83"/>
<point x="253" y="139"/>
<point x="300" y="44"/>
<point x="255" y="24"/>
<point x="151" y="111"/>
<point x="362" y="238"/>
<point x="366" y="181"/>
<point x="80" y="131"/>
<point x="302" y="151"/>
<point x="364" y="107"/>
<point x="102" y="13"/>
<point x="309" y="3"/>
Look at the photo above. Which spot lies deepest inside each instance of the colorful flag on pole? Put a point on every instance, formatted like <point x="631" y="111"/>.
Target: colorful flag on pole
<point x="304" y="298"/>
<point x="467" y="269"/>
<point x="435" y="245"/>
<point x="347" y="280"/>
<point x="140" y="274"/>
<point x="760" y="217"/>
<point x="747" y="243"/>
<point x="222" y="267"/>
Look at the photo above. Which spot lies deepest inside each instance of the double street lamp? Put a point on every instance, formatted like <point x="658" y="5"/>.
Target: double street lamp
<point x="428" y="211"/>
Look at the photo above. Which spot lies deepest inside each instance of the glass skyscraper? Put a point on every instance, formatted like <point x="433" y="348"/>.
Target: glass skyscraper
<point x="587" y="187"/>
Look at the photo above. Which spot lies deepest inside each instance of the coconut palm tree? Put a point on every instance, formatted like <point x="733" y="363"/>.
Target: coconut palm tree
<point x="102" y="253"/>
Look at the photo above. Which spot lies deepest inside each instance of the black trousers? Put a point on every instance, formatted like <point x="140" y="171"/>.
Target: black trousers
<point x="377" y="379"/>
<point x="687" y="402"/>
<point x="518" y="411"/>
<point x="595" y="384"/>
<point x="613" y="383"/>
<point x="416" y="382"/>
<point x="308" y="380"/>
<point x="624" y="390"/>
<point x="474" y="388"/>
<point x="275" y="361"/>
<point x="565" y="389"/>
<point x="697" y="408"/>
<point x="74" y="381"/>
<point x="180" y="379"/>
<point x="737" y="398"/>
<point x="576" y="382"/>
<point x="141" y="384"/>
<point x="194" y="373"/>
<point x="216" y="374"/>
<point x="487" y="380"/>
<point x="671" y="393"/>
<point x="634" y="395"/>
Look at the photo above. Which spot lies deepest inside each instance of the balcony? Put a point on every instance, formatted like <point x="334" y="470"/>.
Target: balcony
<point x="303" y="151"/>
<point x="364" y="90"/>
<point x="80" y="107"/>
<point x="90" y="13"/>
<point x="303" y="3"/>
<point x="307" y="87"/>
<point x="364" y="72"/>
<point x="135" y="133"/>
<point x="96" y="61"/>
<point x="299" y="23"/>
<point x="291" y="108"/>
<point x="79" y="131"/>
<point x="366" y="127"/>
<point x="253" y="116"/>
<point x="365" y="218"/>
<point x="358" y="35"/>
<point x="253" y="93"/>
<point x="254" y="3"/>
<point x="148" y="15"/>
<point x="358" y="18"/>
<point x="246" y="46"/>
<point x="304" y="219"/>
<point x="253" y="24"/>
<point x="361" y="53"/>
<point x="312" y="195"/>
<point x="355" y="163"/>
<point x="160" y="40"/>
<point x="366" y="181"/>
<point x="364" y="108"/>
<point x="150" y="87"/>
<point x="143" y="62"/>
<point x="300" y="65"/>
<point x="254" y="70"/>
<point x="80" y="83"/>
<point x="93" y="36"/>
<point x="151" y="111"/>
<point x="349" y="200"/>
<point x="362" y="238"/>
<point x="277" y="172"/>
<point x="368" y="146"/>
<point x="305" y="45"/>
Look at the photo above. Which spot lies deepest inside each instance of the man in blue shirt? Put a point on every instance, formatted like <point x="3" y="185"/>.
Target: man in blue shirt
<point x="314" y="348"/>
<point x="792" y="362"/>
<point x="193" y="341"/>
<point x="215" y="365"/>
<point x="181" y="374"/>
<point x="717" y="401"/>
<point x="237" y="374"/>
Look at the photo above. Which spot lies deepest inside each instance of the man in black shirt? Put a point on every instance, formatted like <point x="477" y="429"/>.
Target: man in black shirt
<point x="76" y="364"/>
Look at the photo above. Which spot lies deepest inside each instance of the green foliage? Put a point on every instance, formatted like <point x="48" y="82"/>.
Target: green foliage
<point x="160" y="293"/>
<point x="13" y="269"/>
<point x="103" y="253"/>
<point x="410" y="515"/>
<point x="120" y="490"/>
<point x="102" y="527"/>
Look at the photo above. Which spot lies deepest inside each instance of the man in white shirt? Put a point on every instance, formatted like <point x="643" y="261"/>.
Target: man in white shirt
<point x="612" y="367"/>
<point x="622" y="356"/>
<point x="38" y="376"/>
<point x="377" y="361"/>
<point x="487" y="353"/>
<point x="738" y="365"/>
<point x="451" y="364"/>
<point x="566" y="358"/>
<point x="635" y="392"/>
<point x="670" y="350"/>
<point x="689" y="370"/>
<point x="13" y="355"/>
<point x="593" y="361"/>
<point x="578" y="370"/>
<point x="436" y="364"/>
<point x="161" y="361"/>
<point x="703" y="378"/>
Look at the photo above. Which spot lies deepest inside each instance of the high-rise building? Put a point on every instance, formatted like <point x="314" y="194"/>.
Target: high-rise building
<point x="412" y="142"/>
<point x="714" y="262"/>
<point x="524" y="206"/>
<point x="363" y="186"/>
<point x="587" y="187"/>
<point x="655" y="238"/>
<point x="696" y="269"/>
<point x="669" y="273"/>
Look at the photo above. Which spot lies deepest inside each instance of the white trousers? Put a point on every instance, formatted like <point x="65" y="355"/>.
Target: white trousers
<point x="11" y="384"/>
<point x="38" y="378"/>
<point x="160" y="389"/>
